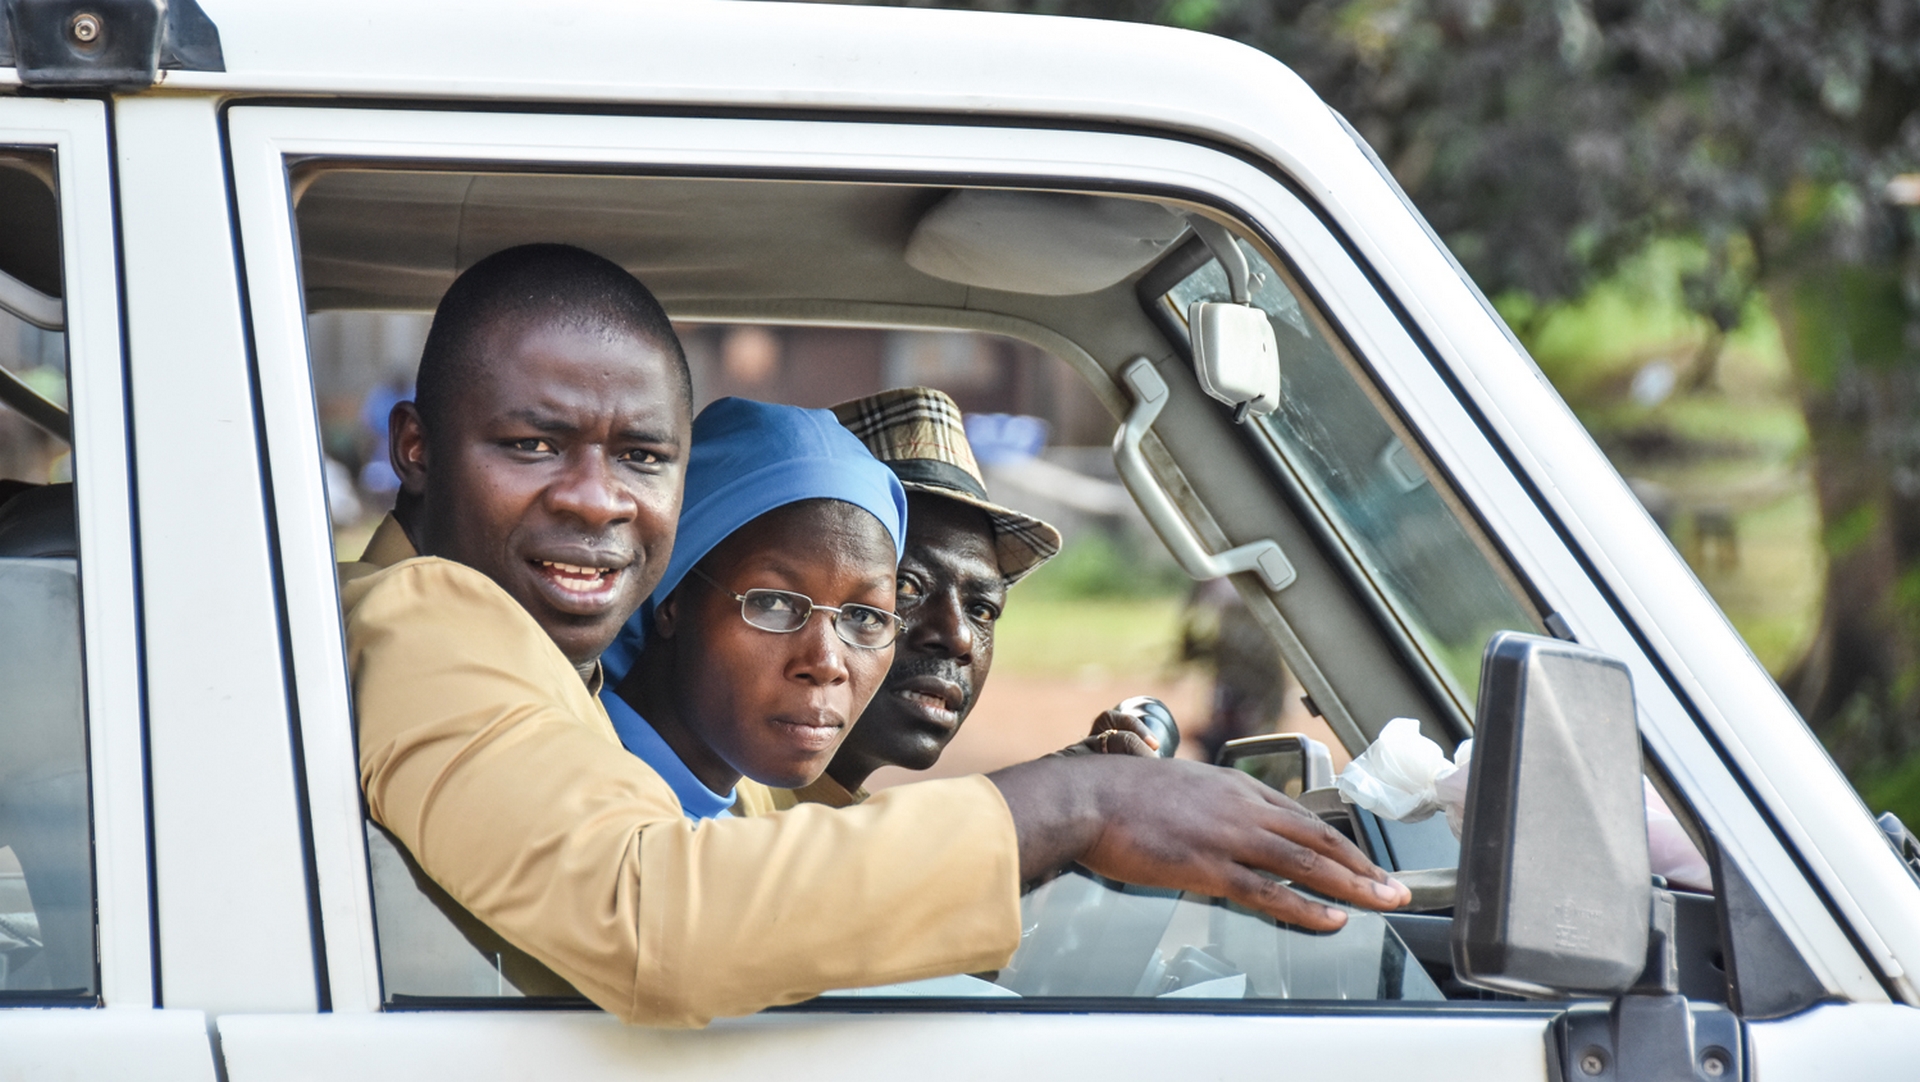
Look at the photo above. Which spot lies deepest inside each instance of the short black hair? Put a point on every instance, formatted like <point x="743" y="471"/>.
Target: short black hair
<point x="555" y="283"/>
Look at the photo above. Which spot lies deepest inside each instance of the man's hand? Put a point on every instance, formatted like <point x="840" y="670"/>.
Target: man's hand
<point x="1116" y="732"/>
<point x="1186" y="826"/>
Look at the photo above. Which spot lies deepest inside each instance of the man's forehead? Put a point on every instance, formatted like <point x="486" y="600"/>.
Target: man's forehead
<point x="561" y="365"/>
<point x="520" y="340"/>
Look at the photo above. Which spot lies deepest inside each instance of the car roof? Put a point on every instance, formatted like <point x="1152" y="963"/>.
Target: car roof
<point x="800" y="59"/>
<point x="735" y="53"/>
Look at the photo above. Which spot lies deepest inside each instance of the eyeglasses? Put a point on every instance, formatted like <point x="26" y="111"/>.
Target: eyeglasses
<point x="784" y="612"/>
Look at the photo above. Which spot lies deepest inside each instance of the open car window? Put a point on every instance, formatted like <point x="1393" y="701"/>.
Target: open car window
<point x="1044" y="439"/>
<point x="799" y="289"/>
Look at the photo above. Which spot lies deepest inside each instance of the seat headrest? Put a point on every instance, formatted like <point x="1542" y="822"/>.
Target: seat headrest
<point x="40" y="522"/>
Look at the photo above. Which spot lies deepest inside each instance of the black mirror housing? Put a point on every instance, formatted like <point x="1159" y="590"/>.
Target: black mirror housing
<point x="1554" y="883"/>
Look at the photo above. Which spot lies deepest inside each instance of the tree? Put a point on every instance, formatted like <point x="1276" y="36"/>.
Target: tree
<point x="1549" y="141"/>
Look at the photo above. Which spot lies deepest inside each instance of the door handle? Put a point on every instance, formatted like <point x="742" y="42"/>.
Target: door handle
<point x="1264" y="558"/>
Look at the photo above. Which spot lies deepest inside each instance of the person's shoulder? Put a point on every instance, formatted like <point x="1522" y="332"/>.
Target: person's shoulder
<point x="822" y="790"/>
<point x="352" y="571"/>
<point x="420" y="580"/>
<point x="429" y="629"/>
<point x="430" y="606"/>
<point x="752" y="799"/>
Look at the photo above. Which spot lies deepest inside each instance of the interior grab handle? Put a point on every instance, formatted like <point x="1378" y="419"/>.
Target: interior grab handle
<point x="1264" y="558"/>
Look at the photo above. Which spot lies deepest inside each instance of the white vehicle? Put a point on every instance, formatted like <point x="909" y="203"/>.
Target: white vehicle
<point x="188" y="891"/>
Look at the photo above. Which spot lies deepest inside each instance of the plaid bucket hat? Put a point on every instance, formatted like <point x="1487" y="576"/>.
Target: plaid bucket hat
<point x="918" y="433"/>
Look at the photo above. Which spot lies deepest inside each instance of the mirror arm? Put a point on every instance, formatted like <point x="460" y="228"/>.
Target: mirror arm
<point x="1219" y="240"/>
<point x="1653" y="1033"/>
<point x="1150" y="394"/>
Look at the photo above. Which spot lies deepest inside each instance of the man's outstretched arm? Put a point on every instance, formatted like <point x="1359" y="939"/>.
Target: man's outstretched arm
<point x="1171" y="823"/>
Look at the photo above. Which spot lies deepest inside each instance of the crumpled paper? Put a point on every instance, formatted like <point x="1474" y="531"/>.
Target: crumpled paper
<point x="1405" y="776"/>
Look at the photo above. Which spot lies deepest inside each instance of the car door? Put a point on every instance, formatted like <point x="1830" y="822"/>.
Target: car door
<point x="277" y="154"/>
<point x="77" y="975"/>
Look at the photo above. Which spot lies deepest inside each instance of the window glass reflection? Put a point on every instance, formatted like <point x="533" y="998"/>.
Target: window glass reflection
<point x="1419" y="554"/>
<point x="46" y="870"/>
<point x="1086" y="937"/>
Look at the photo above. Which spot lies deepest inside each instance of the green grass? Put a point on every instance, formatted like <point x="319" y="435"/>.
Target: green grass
<point x="1773" y="596"/>
<point x="1636" y="314"/>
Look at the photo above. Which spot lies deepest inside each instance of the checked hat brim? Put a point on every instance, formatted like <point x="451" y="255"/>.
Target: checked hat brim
<point x="919" y="434"/>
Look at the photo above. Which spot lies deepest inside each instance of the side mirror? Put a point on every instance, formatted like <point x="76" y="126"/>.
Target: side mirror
<point x="1291" y="763"/>
<point x="1554" y="884"/>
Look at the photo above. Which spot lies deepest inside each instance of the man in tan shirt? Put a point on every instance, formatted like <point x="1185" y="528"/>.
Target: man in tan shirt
<point x="541" y="471"/>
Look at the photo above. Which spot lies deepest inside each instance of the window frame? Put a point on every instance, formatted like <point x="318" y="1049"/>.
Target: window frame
<point x="264" y="138"/>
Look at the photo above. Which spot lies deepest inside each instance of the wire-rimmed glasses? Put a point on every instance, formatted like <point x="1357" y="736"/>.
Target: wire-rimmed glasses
<point x="784" y="612"/>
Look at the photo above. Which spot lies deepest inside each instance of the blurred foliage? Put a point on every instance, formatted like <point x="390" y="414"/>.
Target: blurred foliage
<point x="1736" y="456"/>
<point x="1094" y="564"/>
<point x="1066" y="638"/>
<point x="1554" y="144"/>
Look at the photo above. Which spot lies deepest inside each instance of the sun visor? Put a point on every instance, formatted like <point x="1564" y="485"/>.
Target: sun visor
<point x="1049" y="243"/>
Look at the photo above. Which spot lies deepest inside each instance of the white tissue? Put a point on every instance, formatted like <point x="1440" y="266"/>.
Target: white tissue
<point x="1451" y="787"/>
<point x="1398" y="776"/>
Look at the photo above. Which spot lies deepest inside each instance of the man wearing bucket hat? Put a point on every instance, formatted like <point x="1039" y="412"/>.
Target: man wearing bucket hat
<point x="963" y="553"/>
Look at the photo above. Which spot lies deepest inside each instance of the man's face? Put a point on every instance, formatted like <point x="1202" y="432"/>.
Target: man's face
<point x="950" y="592"/>
<point x="557" y="472"/>
<point x="775" y="707"/>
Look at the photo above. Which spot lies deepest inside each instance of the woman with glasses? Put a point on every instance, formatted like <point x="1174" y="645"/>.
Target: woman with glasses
<point x="774" y="623"/>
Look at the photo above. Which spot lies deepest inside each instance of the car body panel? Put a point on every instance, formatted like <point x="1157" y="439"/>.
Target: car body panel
<point x="1854" y="1042"/>
<point x="106" y="1045"/>
<point x="483" y="1046"/>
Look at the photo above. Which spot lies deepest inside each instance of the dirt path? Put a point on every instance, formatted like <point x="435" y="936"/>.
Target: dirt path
<point x="1022" y="716"/>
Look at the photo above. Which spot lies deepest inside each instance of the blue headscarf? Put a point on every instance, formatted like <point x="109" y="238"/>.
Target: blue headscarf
<point x="747" y="459"/>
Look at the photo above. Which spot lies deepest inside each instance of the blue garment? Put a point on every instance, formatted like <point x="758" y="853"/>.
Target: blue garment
<point x="747" y="459"/>
<point x="698" y="801"/>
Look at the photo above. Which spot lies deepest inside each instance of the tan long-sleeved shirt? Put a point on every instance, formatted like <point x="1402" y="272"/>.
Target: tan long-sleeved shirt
<point x="483" y="751"/>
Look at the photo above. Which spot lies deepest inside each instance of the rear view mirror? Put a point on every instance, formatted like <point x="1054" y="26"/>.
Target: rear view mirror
<point x="1554" y="885"/>
<point x="1234" y="351"/>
